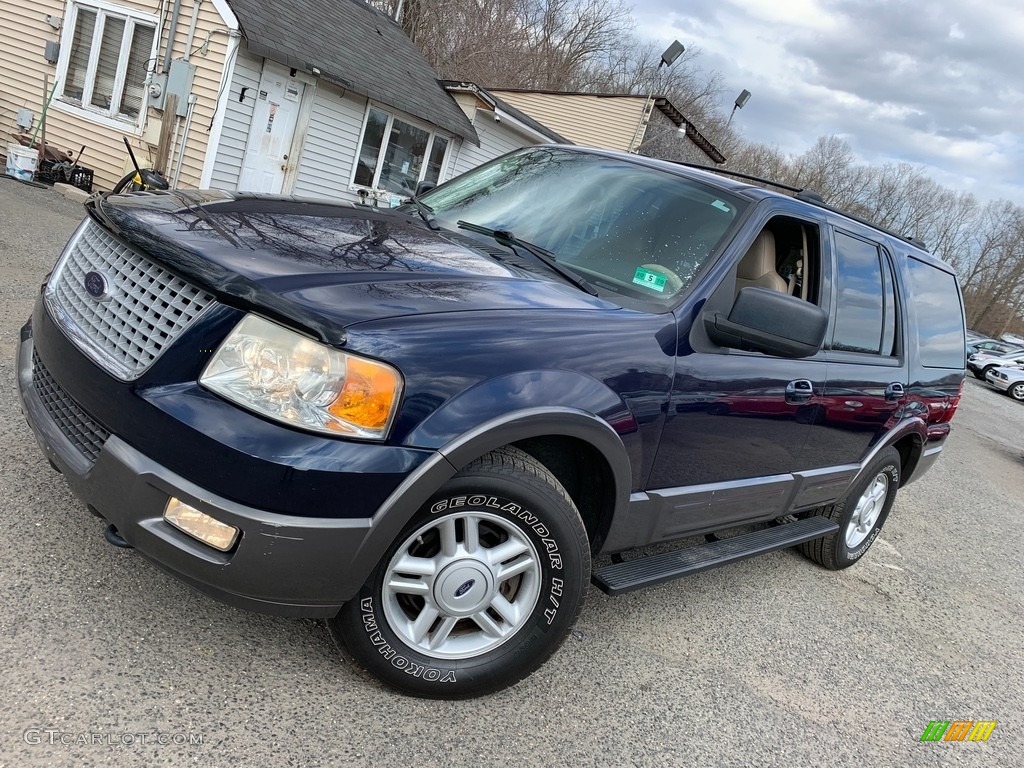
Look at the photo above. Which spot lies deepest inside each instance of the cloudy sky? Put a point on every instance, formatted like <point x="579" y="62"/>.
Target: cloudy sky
<point x="937" y="83"/>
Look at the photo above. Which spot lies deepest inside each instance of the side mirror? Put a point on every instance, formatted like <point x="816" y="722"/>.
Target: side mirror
<point x="424" y="186"/>
<point x="767" y="321"/>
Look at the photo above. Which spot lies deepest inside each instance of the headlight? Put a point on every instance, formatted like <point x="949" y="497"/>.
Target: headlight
<point x="292" y="379"/>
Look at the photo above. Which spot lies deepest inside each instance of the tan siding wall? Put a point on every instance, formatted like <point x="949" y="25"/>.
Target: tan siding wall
<point x="204" y="86"/>
<point x="595" y="121"/>
<point x="23" y="33"/>
<point x="22" y="36"/>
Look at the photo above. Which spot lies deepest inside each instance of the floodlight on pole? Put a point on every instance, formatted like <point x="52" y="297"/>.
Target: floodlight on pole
<point x="741" y="100"/>
<point x="671" y="53"/>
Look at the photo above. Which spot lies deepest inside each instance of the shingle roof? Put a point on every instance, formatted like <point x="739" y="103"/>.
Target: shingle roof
<point x="355" y="46"/>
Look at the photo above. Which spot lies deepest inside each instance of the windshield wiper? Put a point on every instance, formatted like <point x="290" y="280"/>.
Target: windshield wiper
<point x="426" y="213"/>
<point x="504" y="237"/>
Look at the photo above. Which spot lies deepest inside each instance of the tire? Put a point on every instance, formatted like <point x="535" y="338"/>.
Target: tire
<point x="1016" y="391"/>
<point x="860" y="515"/>
<point x="480" y="588"/>
<point x="127" y="183"/>
<point x="984" y="372"/>
<point x="978" y="374"/>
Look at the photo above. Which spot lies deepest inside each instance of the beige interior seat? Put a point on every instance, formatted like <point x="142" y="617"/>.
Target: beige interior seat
<point x="757" y="267"/>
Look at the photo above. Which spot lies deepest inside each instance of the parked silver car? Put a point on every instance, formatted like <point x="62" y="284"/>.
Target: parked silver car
<point x="981" y="363"/>
<point x="991" y="346"/>
<point x="1007" y="379"/>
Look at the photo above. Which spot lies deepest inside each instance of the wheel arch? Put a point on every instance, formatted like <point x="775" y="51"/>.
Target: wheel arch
<point x="539" y="432"/>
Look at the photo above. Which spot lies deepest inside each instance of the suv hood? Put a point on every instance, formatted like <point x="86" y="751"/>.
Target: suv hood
<point x="325" y="265"/>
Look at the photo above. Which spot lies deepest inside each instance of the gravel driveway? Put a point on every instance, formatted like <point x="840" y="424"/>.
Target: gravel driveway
<point x="773" y="661"/>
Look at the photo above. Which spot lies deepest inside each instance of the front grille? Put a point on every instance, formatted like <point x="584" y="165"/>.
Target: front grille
<point x="145" y="307"/>
<point x="79" y="427"/>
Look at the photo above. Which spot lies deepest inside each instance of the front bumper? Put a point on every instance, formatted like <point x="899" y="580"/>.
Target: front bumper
<point x="282" y="564"/>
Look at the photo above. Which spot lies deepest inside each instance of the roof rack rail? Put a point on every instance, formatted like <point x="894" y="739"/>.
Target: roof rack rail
<point x="807" y="196"/>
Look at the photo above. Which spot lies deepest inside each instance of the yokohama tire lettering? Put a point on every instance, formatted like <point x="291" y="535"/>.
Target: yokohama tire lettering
<point x="397" y="660"/>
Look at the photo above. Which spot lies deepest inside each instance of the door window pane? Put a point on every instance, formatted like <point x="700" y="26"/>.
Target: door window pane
<point x="436" y="159"/>
<point x="859" y="310"/>
<point x="369" y="150"/>
<point x="403" y="158"/>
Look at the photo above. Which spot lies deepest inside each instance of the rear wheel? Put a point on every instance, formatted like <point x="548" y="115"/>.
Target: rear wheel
<point x="481" y="587"/>
<point x="860" y="515"/>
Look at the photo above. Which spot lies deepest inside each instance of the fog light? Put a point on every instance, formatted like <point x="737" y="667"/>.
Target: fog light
<point x="200" y="525"/>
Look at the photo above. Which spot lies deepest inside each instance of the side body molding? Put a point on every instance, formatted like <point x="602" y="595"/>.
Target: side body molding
<point x="664" y="514"/>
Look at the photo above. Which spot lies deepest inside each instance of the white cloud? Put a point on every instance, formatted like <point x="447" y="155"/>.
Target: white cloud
<point x="934" y="84"/>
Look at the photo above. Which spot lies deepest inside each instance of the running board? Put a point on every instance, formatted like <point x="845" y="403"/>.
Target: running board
<point x="618" y="578"/>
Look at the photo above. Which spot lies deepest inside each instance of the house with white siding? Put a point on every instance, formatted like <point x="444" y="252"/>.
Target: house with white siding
<point x="328" y="100"/>
<point x="500" y="127"/>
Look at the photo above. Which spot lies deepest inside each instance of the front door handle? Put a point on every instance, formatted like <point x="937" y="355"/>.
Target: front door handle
<point x="894" y="391"/>
<point x="799" y="391"/>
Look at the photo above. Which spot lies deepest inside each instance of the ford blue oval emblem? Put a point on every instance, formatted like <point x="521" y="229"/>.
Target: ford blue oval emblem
<point x="95" y="285"/>
<point x="465" y="587"/>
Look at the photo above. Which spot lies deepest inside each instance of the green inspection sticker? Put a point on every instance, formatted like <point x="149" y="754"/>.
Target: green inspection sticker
<point x="649" y="279"/>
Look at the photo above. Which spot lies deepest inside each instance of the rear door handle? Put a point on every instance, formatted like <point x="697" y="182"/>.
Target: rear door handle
<point x="894" y="391"/>
<point x="799" y="391"/>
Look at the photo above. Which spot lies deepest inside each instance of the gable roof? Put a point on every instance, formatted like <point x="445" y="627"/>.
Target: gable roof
<point x="355" y="46"/>
<point x="494" y="103"/>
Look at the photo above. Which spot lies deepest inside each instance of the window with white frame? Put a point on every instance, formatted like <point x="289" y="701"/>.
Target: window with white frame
<point x="109" y="50"/>
<point x="396" y="155"/>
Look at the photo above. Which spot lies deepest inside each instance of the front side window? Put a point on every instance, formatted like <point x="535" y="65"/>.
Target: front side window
<point x="633" y="230"/>
<point x="109" y="53"/>
<point x="396" y="155"/>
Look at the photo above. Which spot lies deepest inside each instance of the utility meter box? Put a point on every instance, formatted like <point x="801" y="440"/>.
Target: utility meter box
<point x="177" y="80"/>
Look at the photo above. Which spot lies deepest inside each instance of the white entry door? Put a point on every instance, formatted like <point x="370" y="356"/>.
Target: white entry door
<point x="272" y="132"/>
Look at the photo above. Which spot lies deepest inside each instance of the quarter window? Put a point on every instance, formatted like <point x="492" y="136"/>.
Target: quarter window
<point x="395" y="155"/>
<point x="109" y="53"/>
<point x="865" y="308"/>
<point x="940" y="329"/>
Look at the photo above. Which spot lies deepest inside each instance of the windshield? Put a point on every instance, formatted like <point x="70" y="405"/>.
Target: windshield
<point x="629" y="229"/>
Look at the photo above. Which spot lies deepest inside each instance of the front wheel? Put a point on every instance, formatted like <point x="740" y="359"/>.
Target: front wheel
<point x="480" y="588"/>
<point x="860" y="515"/>
<point x="1016" y="391"/>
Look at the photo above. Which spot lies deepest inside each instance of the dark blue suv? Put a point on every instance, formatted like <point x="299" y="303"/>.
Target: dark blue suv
<point x="422" y="424"/>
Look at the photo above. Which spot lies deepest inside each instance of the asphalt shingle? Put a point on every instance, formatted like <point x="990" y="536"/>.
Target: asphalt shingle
<point x="355" y="46"/>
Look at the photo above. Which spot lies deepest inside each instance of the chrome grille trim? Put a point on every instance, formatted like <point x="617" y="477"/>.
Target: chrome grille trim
<point x="84" y="432"/>
<point x="146" y="308"/>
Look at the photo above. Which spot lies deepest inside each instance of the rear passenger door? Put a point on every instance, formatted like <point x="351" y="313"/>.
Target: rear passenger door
<point x="865" y="350"/>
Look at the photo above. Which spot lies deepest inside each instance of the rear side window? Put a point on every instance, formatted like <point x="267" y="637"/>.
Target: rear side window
<point x="865" y="307"/>
<point x="940" y="322"/>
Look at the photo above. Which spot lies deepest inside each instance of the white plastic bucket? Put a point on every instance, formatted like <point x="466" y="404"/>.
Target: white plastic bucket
<point x="21" y="162"/>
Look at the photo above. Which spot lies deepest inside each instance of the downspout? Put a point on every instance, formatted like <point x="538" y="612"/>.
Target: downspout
<point x="223" y="92"/>
<point x="171" y="33"/>
<point x="196" y="6"/>
<point x="192" y="99"/>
